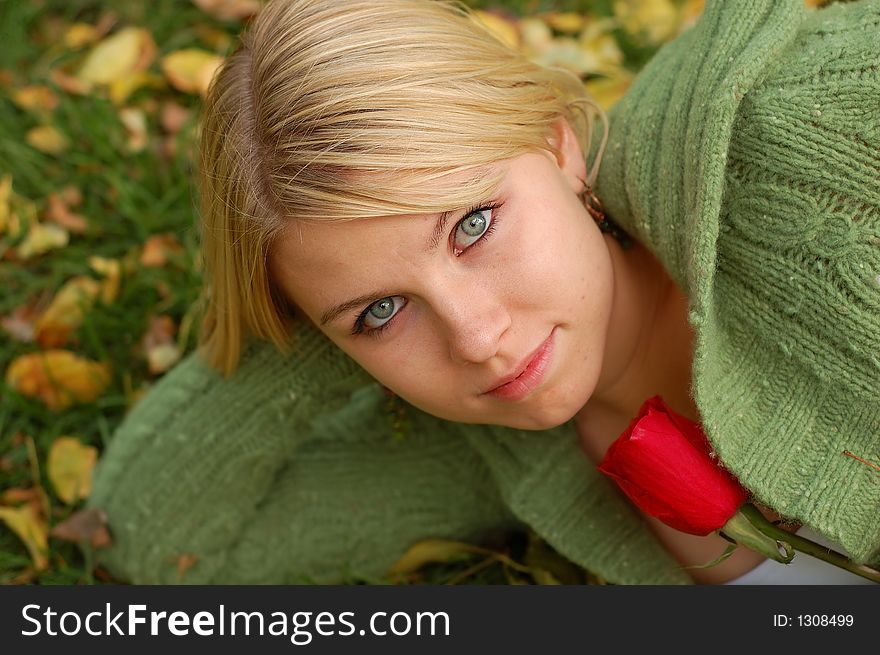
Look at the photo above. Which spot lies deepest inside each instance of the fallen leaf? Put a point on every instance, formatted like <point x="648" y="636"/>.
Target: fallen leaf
<point x="71" y="196"/>
<point x="190" y="70"/>
<point x="608" y="90"/>
<point x="120" y="89"/>
<point x="65" y="313"/>
<point x="41" y="238"/>
<point x="653" y="22"/>
<point x="69" y="467"/>
<point x="185" y="563"/>
<point x="111" y="270"/>
<point x="20" y="322"/>
<point x="5" y="201"/>
<point x="229" y="9"/>
<point x="30" y="527"/>
<point x="430" y="551"/>
<point x="173" y="117"/>
<point x="159" y="344"/>
<point x="58" y="378"/>
<point x="504" y="30"/>
<point x="48" y="139"/>
<point x="568" y="22"/>
<point x="58" y="212"/>
<point x="70" y="84"/>
<point x="88" y="525"/>
<point x="158" y="248"/>
<point x="126" y="52"/>
<point x="135" y="122"/>
<point x="79" y="35"/>
<point x="35" y="98"/>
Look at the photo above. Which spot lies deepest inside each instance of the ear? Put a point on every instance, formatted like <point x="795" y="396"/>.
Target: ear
<point x="570" y="159"/>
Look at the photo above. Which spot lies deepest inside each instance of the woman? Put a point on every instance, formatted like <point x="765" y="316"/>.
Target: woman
<point x="402" y="200"/>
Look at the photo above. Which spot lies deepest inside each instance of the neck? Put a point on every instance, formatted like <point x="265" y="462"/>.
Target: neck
<point x="649" y="348"/>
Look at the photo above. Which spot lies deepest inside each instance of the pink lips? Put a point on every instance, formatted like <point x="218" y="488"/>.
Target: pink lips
<point x="530" y="375"/>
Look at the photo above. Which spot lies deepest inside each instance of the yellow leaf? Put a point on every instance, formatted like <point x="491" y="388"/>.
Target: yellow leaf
<point x="111" y="269"/>
<point x="654" y="22"/>
<point x="135" y="122"/>
<point x="432" y="551"/>
<point x="128" y="51"/>
<point x="42" y="238"/>
<point x="190" y="70"/>
<point x="536" y="34"/>
<point x="5" y="201"/>
<point x="47" y="138"/>
<point x="608" y="90"/>
<point x="568" y="22"/>
<point x="79" y="35"/>
<point x="35" y="98"/>
<point x="69" y="467"/>
<point x="504" y="30"/>
<point x="58" y="378"/>
<point x="65" y="313"/>
<point x="25" y="522"/>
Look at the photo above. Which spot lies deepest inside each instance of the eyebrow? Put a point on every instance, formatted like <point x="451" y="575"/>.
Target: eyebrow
<point x="334" y="312"/>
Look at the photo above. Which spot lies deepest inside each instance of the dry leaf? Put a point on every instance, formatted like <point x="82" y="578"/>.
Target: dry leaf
<point x="173" y="117"/>
<point x="41" y="238"/>
<point x="135" y="122"/>
<point x="79" y="35"/>
<point x="229" y="9"/>
<point x="59" y="213"/>
<point x="536" y="34"/>
<point x="35" y="98"/>
<point x="159" y="344"/>
<point x="432" y="551"/>
<point x="65" y="313"/>
<point x="111" y="269"/>
<point x="85" y="525"/>
<point x="5" y="201"/>
<point x="69" y="467"/>
<point x="158" y="248"/>
<point x="504" y="30"/>
<point x="30" y="527"/>
<point x="70" y="84"/>
<point x="185" y="563"/>
<point x="608" y="90"/>
<point x="128" y="51"/>
<point x="20" y="322"/>
<point x="190" y="70"/>
<point x="654" y="22"/>
<point x="568" y="22"/>
<point x="58" y="378"/>
<point x="47" y="138"/>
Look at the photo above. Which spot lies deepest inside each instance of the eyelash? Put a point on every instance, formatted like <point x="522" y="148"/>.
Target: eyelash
<point x="360" y="328"/>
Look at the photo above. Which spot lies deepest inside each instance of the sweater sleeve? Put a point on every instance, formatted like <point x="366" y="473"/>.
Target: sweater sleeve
<point x="285" y="472"/>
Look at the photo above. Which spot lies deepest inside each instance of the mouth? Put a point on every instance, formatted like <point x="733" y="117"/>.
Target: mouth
<point x="527" y="376"/>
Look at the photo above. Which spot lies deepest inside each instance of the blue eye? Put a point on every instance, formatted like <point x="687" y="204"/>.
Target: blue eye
<point x="471" y="228"/>
<point x="381" y="311"/>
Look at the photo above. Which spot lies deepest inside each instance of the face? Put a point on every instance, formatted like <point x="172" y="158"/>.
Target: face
<point x="503" y="322"/>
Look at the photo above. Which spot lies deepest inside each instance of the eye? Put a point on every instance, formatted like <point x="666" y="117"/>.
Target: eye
<point x="471" y="228"/>
<point x="381" y="311"/>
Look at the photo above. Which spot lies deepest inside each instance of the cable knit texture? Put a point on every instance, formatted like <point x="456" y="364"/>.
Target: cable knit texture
<point x="761" y="197"/>
<point x="746" y="157"/>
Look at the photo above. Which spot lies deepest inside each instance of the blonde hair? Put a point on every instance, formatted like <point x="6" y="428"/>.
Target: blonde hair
<point x="337" y="110"/>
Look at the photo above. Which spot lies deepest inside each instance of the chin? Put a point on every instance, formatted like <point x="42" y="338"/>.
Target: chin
<point x="544" y="418"/>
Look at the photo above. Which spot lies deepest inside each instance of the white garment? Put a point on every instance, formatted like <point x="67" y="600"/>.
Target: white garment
<point x="803" y="569"/>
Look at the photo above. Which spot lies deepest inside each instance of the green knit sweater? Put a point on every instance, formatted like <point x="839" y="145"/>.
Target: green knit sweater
<point x="746" y="156"/>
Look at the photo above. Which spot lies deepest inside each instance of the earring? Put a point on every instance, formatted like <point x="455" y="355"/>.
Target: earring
<point x="595" y="209"/>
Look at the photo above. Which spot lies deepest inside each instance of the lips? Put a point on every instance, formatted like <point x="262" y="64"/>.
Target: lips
<point x="528" y="375"/>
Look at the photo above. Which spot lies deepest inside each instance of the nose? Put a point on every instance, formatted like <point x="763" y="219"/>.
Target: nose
<point x="475" y="322"/>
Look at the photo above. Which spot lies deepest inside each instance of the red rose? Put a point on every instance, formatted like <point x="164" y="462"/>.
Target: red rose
<point x="662" y="463"/>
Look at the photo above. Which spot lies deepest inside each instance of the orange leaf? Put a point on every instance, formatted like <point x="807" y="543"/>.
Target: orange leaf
<point x="58" y="378"/>
<point x="29" y="526"/>
<point x="35" y="98"/>
<point x="158" y="248"/>
<point x="190" y="70"/>
<point x="69" y="467"/>
<point x="229" y="9"/>
<point x="59" y="213"/>
<point x="86" y="525"/>
<point x="111" y="269"/>
<point x="65" y="313"/>
<point x="20" y="322"/>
